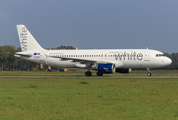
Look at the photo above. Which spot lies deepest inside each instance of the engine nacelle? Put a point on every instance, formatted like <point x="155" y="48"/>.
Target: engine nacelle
<point x="106" y="68"/>
<point x="123" y="70"/>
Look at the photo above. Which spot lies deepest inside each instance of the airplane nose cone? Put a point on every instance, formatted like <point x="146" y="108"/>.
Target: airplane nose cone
<point x="168" y="61"/>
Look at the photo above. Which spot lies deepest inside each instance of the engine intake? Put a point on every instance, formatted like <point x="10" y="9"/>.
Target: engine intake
<point x="106" y="68"/>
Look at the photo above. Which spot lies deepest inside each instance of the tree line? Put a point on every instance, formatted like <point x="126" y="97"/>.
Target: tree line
<point x="10" y="63"/>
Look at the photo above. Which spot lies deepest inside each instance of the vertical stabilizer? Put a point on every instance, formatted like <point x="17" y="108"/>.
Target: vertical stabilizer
<point x="27" y="41"/>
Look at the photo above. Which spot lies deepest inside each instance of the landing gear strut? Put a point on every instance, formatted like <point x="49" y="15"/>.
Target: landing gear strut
<point x="148" y="73"/>
<point x="88" y="73"/>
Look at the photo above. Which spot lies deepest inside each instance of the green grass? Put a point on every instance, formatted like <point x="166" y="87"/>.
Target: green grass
<point x="88" y="98"/>
<point x="77" y="73"/>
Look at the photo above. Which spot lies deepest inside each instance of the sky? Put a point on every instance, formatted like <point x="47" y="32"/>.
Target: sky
<point x="93" y="24"/>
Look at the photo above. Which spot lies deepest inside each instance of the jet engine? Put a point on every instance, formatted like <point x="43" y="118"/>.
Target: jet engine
<point x="123" y="70"/>
<point x="106" y="68"/>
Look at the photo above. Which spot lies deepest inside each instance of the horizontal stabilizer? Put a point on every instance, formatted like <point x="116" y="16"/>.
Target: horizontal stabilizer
<point x="22" y="54"/>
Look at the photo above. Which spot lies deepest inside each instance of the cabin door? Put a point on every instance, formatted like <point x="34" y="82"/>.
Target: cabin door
<point x="42" y="58"/>
<point x="147" y="55"/>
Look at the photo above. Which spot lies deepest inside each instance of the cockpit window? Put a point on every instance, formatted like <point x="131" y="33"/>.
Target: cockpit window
<point x="159" y="55"/>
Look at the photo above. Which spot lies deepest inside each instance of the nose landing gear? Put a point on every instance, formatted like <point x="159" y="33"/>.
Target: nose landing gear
<point x="148" y="73"/>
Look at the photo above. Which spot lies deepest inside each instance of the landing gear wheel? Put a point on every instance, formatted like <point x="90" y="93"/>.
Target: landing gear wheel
<point x="88" y="73"/>
<point x="99" y="74"/>
<point x="148" y="74"/>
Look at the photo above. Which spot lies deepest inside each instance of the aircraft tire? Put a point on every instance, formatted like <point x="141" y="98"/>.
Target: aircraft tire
<point x="99" y="74"/>
<point x="148" y="74"/>
<point x="88" y="73"/>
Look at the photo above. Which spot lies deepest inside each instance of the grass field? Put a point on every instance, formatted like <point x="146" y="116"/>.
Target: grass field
<point x="82" y="73"/>
<point x="88" y="98"/>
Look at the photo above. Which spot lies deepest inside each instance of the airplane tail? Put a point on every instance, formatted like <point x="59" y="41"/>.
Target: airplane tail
<point x="27" y="41"/>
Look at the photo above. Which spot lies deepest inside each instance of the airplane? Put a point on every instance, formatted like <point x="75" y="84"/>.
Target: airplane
<point x="104" y="61"/>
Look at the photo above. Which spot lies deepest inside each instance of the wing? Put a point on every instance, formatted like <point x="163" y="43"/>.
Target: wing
<point x="82" y="61"/>
<point x="90" y="62"/>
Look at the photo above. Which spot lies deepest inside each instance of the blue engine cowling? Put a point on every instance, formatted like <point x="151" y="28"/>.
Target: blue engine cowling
<point x="106" y="68"/>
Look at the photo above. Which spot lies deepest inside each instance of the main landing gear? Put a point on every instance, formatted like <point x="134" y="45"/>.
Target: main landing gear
<point x="88" y="73"/>
<point x="99" y="74"/>
<point x="148" y="73"/>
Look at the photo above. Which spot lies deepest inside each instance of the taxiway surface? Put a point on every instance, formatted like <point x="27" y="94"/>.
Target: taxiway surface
<point x="91" y="76"/>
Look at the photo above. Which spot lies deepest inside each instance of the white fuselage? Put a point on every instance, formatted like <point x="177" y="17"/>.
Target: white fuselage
<point x="122" y="58"/>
